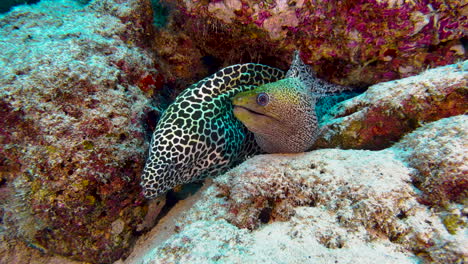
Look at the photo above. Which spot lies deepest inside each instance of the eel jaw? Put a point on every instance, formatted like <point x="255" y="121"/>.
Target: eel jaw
<point x="254" y="121"/>
<point x="240" y="111"/>
<point x="254" y="117"/>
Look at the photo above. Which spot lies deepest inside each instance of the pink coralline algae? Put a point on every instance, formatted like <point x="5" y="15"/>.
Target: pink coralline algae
<point x="75" y="89"/>
<point x="348" y="42"/>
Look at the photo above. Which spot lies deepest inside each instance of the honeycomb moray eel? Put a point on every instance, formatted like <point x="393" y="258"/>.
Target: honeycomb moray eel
<point x="198" y="135"/>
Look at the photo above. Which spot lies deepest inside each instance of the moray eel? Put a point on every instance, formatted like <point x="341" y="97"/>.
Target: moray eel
<point x="282" y="114"/>
<point x="198" y="135"/>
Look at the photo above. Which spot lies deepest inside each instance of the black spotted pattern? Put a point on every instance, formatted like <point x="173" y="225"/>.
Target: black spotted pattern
<point x="198" y="135"/>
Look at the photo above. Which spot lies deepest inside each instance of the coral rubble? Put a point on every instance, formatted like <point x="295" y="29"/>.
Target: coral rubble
<point x="74" y="92"/>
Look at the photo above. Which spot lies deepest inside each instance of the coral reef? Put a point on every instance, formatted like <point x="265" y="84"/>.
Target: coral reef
<point x="179" y="59"/>
<point x="135" y="15"/>
<point x="347" y="42"/>
<point x="75" y="88"/>
<point x="325" y="206"/>
<point x="78" y="84"/>
<point x="386" y="111"/>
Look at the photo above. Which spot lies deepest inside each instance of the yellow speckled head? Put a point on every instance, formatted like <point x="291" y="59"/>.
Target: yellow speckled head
<point x="280" y="114"/>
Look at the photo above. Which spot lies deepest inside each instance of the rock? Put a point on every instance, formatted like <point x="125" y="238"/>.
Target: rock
<point x="386" y="111"/>
<point x="135" y="15"/>
<point x="74" y="93"/>
<point x="347" y="42"/>
<point x="440" y="156"/>
<point x="179" y="59"/>
<point x="19" y="252"/>
<point x="324" y="206"/>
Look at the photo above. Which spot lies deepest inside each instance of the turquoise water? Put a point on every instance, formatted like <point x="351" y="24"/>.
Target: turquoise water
<point x="6" y="5"/>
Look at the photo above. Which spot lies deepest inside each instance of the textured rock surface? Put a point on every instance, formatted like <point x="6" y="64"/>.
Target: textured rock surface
<point x="73" y="97"/>
<point x="347" y="42"/>
<point x="179" y="59"/>
<point x="386" y="111"/>
<point x="326" y="206"/>
<point x="440" y="156"/>
<point x="16" y="252"/>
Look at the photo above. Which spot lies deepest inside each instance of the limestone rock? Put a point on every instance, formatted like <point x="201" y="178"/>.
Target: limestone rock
<point x="386" y="111"/>
<point x="324" y="206"/>
<point x="72" y="106"/>
<point x="440" y="156"/>
<point x="347" y="42"/>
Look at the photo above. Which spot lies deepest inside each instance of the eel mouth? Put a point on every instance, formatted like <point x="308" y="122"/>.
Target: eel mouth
<point x="239" y="108"/>
<point x="252" y="118"/>
<point x="249" y="112"/>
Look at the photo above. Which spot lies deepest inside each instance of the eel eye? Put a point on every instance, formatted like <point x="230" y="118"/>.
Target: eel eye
<point x="263" y="99"/>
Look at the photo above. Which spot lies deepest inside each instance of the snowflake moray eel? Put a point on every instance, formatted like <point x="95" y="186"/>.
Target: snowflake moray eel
<point x="199" y="135"/>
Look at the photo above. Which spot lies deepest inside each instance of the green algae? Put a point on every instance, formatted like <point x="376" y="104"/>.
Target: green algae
<point x="453" y="222"/>
<point x="88" y="145"/>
